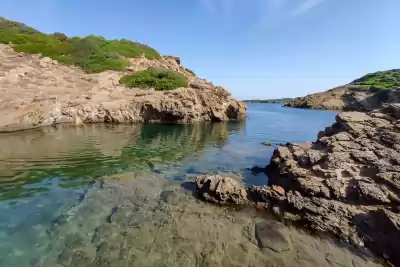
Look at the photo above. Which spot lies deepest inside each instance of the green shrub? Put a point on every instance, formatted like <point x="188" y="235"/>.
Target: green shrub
<point x="190" y="71"/>
<point x="130" y="49"/>
<point x="92" y="53"/>
<point x="381" y="80"/>
<point x="157" y="78"/>
<point x="15" y="27"/>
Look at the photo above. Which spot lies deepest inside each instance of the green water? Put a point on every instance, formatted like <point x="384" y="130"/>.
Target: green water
<point x="32" y="161"/>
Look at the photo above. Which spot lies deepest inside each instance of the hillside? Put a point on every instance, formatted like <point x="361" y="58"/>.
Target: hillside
<point x="366" y="93"/>
<point x="92" y="53"/>
<point x="49" y="79"/>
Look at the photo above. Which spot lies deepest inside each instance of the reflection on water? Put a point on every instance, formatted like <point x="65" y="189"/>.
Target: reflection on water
<point x="78" y="156"/>
<point x="52" y="201"/>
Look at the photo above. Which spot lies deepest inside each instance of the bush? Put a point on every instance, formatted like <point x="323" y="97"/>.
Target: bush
<point x="381" y="80"/>
<point x="15" y="27"/>
<point x="92" y="53"/>
<point x="190" y="71"/>
<point x="157" y="78"/>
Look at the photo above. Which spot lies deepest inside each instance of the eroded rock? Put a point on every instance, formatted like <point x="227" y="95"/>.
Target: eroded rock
<point x="221" y="190"/>
<point x="347" y="182"/>
<point x="40" y="92"/>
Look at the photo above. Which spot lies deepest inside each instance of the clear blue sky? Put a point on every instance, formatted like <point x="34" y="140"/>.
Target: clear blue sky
<point x="255" y="48"/>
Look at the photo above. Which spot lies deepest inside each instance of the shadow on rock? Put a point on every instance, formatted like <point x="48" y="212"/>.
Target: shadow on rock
<point x="189" y="186"/>
<point x="381" y="230"/>
<point x="257" y="170"/>
<point x="270" y="235"/>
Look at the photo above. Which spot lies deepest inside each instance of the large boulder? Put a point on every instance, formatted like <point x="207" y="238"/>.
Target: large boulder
<point x="221" y="190"/>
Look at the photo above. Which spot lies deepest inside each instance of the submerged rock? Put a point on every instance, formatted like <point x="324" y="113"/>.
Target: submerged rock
<point x="267" y="144"/>
<point x="150" y="230"/>
<point x="221" y="190"/>
<point x="271" y="235"/>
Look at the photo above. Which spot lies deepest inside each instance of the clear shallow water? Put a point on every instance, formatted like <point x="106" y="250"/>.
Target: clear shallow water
<point x="38" y="162"/>
<point x="47" y="174"/>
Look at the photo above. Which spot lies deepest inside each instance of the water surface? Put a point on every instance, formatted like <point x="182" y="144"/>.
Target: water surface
<point x="54" y="182"/>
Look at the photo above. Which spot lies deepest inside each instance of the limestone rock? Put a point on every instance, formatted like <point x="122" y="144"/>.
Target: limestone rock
<point x="340" y="183"/>
<point x="40" y="92"/>
<point x="221" y="190"/>
<point x="265" y="194"/>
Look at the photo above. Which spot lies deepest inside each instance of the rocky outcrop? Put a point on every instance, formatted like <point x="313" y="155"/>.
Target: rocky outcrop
<point x="39" y="91"/>
<point x="221" y="190"/>
<point x="347" y="98"/>
<point x="166" y="62"/>
<point x="346" y="183"/>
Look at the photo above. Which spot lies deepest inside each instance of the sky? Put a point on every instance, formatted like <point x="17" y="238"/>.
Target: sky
<point x="257" y="49"/>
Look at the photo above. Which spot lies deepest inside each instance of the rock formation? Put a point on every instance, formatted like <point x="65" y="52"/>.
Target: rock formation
<point x="346" y="98"/>
<point x="346" y="183"/>
<point x="364" y="94"/>
<point x="221" y="190"/>
<point x="38" y="91"/>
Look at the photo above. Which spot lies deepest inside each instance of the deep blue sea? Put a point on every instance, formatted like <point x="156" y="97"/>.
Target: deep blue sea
<point x="44" y="172"/>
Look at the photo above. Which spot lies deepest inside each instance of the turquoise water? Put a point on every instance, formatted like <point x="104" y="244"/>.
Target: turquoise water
<point x="44" y="172"/>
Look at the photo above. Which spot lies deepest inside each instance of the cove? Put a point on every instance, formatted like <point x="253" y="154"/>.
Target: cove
<point x="122" y="195"/>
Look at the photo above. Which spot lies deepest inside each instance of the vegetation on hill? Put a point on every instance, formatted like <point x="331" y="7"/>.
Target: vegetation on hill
<point x="92" y="53"/>
<point x="190" y="71"/>
<point x="378" y="80"/>
<point x="280" y="100"/>
<point x="157" y="78"/>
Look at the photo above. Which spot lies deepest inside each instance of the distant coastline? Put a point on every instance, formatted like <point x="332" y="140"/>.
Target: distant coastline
<point x="274" y="101"/>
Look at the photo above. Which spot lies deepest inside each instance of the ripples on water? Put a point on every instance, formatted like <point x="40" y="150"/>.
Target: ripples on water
<point x="32" y="161"/>
<point x="43" y="172"/>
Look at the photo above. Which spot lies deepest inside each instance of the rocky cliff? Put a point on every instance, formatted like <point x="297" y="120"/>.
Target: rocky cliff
<point x="38" y="91"/>
<point x="365" y="94"/>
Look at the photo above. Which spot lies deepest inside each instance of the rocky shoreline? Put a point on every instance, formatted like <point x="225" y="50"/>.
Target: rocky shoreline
<point x="38" y="91"/>
<point x="347" y="98"/>
<point x="346" y="183"/>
